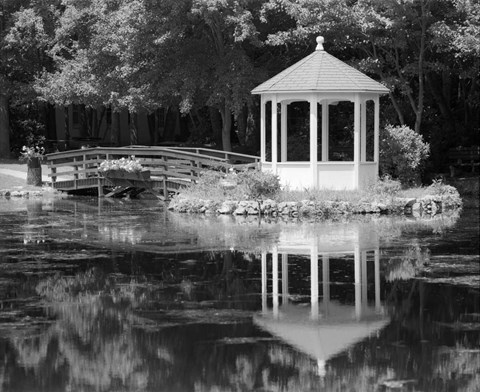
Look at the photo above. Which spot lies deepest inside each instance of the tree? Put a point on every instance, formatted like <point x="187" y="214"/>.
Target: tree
<point x="425" y="51"/>
<point x="25" y="29"/>
<point x="230" y="31"/>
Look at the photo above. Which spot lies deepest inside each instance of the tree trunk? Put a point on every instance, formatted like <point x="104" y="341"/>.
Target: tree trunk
<point x="226" y="128"/>
<point x="242" y="126"/>
<point x="115" y="133"/>
<point x="152" y="129"/>
<point x="4" y="128"/>
<point x="99" y="120"/>
<point x="34" y="172"/>
<point x="50" y="122"/>
<point x="133" y="129"/>
<point x="421" y="79"/>
<point x="216" y="121"/>
<point x="67" y="127"/>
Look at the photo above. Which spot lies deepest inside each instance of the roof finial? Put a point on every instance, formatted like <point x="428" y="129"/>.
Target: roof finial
<point x="320" y="41"/>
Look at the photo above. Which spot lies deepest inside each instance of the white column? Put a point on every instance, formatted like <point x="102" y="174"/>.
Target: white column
<point x="377" y="280"/>
<point x="364" y="280"/>
<point x="314" y="281"/>
<point x="363" y="131"/>
<point x="313" y="141"/>
<point x="356" y="142"/>
<point x="325" y="126"/>
<point x="326" y="282"/>
<point x="274" y="134"/>
<point x="283" y="132"/>
<point x="275" y="282"/>
<point x="263" y="147"/>
<point x="284" y="279"/>
<point x="264" y="282"/>
<point x="376" y="132"/>
<point x="358" y="283"/>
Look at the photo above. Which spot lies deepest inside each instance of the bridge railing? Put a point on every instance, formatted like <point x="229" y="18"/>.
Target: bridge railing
<point x="167" y="163"/>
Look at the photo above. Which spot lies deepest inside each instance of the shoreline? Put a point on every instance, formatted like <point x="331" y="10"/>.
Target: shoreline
<point x="428" y="204"/>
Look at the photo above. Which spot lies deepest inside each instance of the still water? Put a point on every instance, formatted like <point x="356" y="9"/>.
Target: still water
<point x="125" y="296"/>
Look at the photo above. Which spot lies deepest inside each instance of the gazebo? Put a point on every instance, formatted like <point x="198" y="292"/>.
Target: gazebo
<point x="321" y="79"/>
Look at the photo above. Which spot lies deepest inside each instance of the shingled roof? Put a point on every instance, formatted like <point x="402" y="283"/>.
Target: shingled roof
<point x="320" y="72"/>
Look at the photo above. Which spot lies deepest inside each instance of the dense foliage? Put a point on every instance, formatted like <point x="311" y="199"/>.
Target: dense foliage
<point x="203" y="57"/>
<point x="403" y="154"/>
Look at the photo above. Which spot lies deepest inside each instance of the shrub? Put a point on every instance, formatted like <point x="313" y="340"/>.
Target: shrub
<point x="402" y="154"/>
<point x="259" y="184"/>
<point x="439" y="188"/>
<point x="207" y="186"/>
<point x="386" y="186"/>
<point x="244" y="185"/>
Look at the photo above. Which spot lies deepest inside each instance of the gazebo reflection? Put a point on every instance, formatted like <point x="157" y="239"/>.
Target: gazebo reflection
<point x="326" y="327"/>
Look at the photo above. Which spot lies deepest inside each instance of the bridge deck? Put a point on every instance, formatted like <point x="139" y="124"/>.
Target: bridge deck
<point x="169" y="168"/>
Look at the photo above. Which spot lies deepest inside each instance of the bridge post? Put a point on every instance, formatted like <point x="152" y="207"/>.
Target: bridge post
<point x="100" y="187"/>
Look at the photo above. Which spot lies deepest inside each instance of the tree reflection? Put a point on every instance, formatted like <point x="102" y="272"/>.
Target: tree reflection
<point x="408" y="264"/>
<point x="106" y="335"/>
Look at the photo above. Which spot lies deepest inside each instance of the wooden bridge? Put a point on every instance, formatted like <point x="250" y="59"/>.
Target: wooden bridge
<point x="165" y="169"/>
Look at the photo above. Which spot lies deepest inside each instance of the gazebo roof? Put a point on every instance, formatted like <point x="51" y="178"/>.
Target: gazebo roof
<point x="320" y="72"/>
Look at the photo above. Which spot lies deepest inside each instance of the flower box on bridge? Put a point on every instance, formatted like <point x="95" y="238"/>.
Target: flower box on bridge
<point x="125" y="175"/>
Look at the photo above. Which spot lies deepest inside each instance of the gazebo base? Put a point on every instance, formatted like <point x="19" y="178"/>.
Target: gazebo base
<point x="330" y="175"/>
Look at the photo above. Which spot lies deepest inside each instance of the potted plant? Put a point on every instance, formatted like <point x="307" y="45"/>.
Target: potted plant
<point x="33" y="154"/>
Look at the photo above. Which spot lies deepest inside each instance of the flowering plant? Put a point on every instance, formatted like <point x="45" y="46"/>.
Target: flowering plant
<point x="28" y="153"/>
<point x="129" y="164"/>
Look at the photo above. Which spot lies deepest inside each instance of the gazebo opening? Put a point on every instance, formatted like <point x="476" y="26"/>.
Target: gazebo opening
<point x="320" y="124"/>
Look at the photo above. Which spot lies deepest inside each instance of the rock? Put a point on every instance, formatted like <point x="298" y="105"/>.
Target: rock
<point x="416" y="207"/>
<point x="409" y="202"/>
<point x="240" y="210"/>
<point x="382" y="208"/>
<point x="227" y="207"/>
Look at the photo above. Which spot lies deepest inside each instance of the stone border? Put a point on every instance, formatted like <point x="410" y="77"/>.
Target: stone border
<point x="26" y="194"/>
<point x="428" y="204"/>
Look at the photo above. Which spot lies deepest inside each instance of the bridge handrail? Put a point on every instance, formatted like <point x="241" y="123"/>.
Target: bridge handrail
<point x="226" y="154"/>
<point x="121" y="151"/>
<point x="170" y="161"/>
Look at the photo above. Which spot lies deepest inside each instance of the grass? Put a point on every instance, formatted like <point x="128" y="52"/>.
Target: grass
<point x="11" y="182"/>
<point x="218" y="188"/>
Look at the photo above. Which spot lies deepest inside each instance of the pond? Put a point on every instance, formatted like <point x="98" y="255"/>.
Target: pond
<point x="101" y="295"/>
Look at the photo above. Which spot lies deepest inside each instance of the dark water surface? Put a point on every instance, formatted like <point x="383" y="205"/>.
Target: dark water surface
<point x="125" y="296"/>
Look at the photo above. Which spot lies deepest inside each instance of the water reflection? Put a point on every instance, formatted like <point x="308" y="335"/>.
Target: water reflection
<point x="128" y="297"/>
<point x="328" y="327"/>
